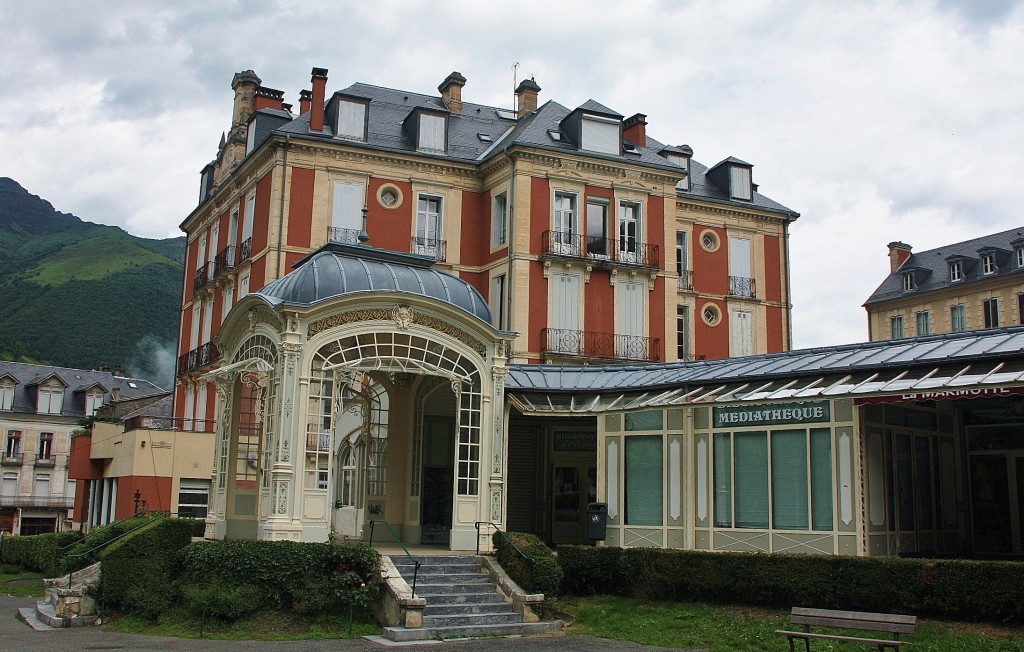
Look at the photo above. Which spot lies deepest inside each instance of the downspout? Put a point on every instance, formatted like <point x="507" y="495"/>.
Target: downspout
<point x="280" y="215"/>
<point x="789" y="289"/>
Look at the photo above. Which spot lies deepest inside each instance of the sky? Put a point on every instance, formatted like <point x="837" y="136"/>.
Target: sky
<point x="875" y="120"/>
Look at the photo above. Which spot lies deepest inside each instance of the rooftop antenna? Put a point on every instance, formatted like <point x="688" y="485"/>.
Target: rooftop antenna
<point x="515" y="80"/>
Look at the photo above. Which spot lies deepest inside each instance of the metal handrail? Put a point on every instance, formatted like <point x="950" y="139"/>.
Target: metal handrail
<point x="530" y="561"/>
<point x="57" y="551"/>
<point x="416" y="563"/>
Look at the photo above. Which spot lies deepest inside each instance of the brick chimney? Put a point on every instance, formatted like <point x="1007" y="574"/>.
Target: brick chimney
<point x="268" y="98"/>
<point x="305" y="99"/>
<point x="451" y="91"/>
<point x="316" y="111"/>
<point x="899" y="252"/>
<point x="244" y="84"/>
<point x="116" y="393"/>
<point x="634" y="129"/>
<point x="526" y="96"/>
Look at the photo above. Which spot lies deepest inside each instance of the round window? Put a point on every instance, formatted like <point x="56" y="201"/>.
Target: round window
<point x="711" y="314"/>
<point x="709" y="240"/>
<point x="389" y="196"/>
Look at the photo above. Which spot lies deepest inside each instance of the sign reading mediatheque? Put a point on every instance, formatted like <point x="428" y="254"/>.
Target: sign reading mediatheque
<point x="773" y="414"/>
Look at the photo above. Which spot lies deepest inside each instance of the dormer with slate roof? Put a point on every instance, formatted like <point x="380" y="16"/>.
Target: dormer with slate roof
<point x="734" y="177"/>
<point x="8" y="385"/>
<point x="427" y="126"/>
<point x="49" y="393"/>
<point x="679" y="156"/>
<point x="991" y="259"/>
<point x="348" y="114"/>
<point x="593" y="127"/>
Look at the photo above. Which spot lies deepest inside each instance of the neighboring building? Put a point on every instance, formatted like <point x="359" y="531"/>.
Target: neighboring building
<point x="959" y="287"/>
<point x="40" y="409"/>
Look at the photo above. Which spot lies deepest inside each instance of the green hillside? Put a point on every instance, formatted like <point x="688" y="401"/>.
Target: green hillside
<point x="77" y="294"/>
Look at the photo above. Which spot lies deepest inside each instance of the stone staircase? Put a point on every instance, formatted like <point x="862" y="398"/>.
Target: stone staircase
<point x="463" y="601"/>
<point x="67" y="602"/>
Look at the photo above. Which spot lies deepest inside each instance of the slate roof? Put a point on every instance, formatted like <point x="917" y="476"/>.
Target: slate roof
<point x="948" y="349"/>
<point x="76" y="381"/>
<point x="931" y="267"/>
<point x="338" y="269"/>
<point x="389" y="108"/>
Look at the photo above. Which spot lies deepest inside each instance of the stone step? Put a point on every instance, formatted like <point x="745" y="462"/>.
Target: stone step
<point x="447" y="578"/>
<point x="463" y="598"/>
<point x="499" y="607"/>
<point x="438" y="569"/>
<point x="400" y="634"/>
<point x="427" y="589"/>
<point x="461" y="620"/>
<point x="31" y="618"/>
<point x="48" y="614"/>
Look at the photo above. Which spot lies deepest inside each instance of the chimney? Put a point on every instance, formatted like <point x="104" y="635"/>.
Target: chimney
<point x="286" y="107"/>
<point x="305" y="99"/>
<point x="268" y="98"/>
<point x="116" y="393"/>
<point x="244" y="84"/>
<point x="899" y="252"/>
<point x="526" y="97"/>
<point x="451" y="91"/>
<point x="316" y="111"/>
<point x="634" y="129"/>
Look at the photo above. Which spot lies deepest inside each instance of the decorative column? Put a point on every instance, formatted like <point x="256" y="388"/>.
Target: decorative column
<point x="215" y="523"/>
<point x="497" y="479"/>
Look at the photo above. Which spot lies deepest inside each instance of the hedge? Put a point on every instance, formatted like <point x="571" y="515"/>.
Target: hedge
<point x="545" y="576"/>
<point x="956" y="589"/>
<point x="306" y="578"/>
<point x="36" y="552"/>
<point x="89" y="550"/>
<point x="138" y="571"/>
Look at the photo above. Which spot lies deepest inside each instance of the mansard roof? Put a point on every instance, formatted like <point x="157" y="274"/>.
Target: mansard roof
<point x="28" y="376"/>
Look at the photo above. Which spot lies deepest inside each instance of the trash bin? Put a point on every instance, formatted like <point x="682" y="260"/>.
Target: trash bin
<point x="597" y="521"/>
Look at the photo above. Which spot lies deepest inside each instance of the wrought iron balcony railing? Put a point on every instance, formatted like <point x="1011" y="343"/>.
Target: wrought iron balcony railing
<point x="49" y="460"/>
<point x="613" y="251"/>
<point x="204" y="276"/>
<point x="244" y="251"/>
<point x="741" y="286"/>
<point x="346" y="236"/>
<point x="11" y="458"/>
<point x="224" y="261"/>
<point x="591" y="344"/>
<point x="685" y="280"/>
<point x="169" y="423"/>
<point x="436" y="249"/>
<point x="197" y="358"/>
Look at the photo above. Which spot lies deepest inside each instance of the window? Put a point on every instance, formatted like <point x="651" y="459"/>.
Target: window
<point x="683" y="332"/>
<point x="600" y="134"/>
<point x="45" y="451"/>
<point x="497" y="301"/>
<point x="250" y="136"/>
<point x="908" y="282"/>
<point x="499" y="220"/>
<point x="958" y="318"/>
<point x="783" y="478"/>
<point x="12" y="448"/>
<point x="347" y="212"/>
<point x="564" y="313"/>
<point x="50" y="398"/>
<point x="597" y="227"/>
<point x="564" y="226"/>
<point x="352" y="120"/>
<point x="896" y="330"/>
<point x="193" y="496"/>
<point x="988" y="264"/>
<point x="956" y="270"/>
<point x="990" y="307"/>
<point x="9" y="487"/>
<point x="243" y="286"/>
<point x="1020" y="308"/>
<point x="741" y="333"/>
<point x="629" y="230"/>
<point x="428" y="226"/>
<point x="709" y="240"/>
<point x="741" y="281"/>
<point x="1019" y="251"/>
<point x="739" y="182"/>
<point x="42" y="487"/>
<point x="683" y="162"/>
<point x="644" y="497"/>
<point x="6" y="394"/>
<point x="431" y="133"/>
<point x="924" y="323"/>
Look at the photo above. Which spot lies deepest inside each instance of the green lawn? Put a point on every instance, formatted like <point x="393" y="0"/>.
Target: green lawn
<point x="264" y="626"/>
<point x="10" y="583"/>
<point x="732" y="628"/>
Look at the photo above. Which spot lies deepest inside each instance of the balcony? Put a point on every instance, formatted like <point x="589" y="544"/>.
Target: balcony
<point x="741" y="286"/>
<point x="48" y="460"/>
<point x="345" y="236"/>
<point x="11" y="459"/>
<point x="601" y="252"/>
<point x="53" y="502"/>
<point x="177" y="424"/>
<point x="204" y="276"/>
<point x="244" y="251"/>
<point x="685" y="280"/>
<point x="198" y="358"/>
<point x="590" y="344"/>
<point x="436" y="249"/>
<point x="224" y="261"/>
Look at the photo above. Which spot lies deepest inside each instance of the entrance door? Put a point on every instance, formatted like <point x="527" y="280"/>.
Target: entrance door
<point x="438" y="479"/>
<point x="997" y="502"/>
<point x="572" y="487"/>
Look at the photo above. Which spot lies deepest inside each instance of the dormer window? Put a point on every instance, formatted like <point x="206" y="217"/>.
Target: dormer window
<point x="352" y="119"/>
<point x="50" y="397"/>
<point x="988" y="264"/>
<point x="93" y="401"/>
<point x="600" y="134"/>
<point x="431" y="134"/>
<point x="1019" y="252"/>
<point x="682" y="160"/>
<point x="956" y="270"/>
<point x="733" y="177"/>
<point x="556" y="135"/>
<point x="250" y="136"/>
<point x="6" y="393"/>
<point x="908" y="281"/>
<point x="739" y="183"/>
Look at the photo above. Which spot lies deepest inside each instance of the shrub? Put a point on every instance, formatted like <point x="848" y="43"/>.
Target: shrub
<point x="37" y="552"/>
<point x="137" y="572"/>
<point x="221" y="600"/>
<point x="544" y="577"/>
<point x="89" y="549"/>
<point x="958" y="589"/>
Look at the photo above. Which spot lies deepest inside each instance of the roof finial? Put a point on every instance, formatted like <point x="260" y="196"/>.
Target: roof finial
<point x="363" y="236"/>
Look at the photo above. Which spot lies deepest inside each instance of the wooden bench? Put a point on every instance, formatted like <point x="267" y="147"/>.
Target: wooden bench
<point x="858" y="620"/>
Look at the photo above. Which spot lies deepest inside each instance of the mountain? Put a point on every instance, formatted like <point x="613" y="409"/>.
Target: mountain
<point x="79" y="294"/>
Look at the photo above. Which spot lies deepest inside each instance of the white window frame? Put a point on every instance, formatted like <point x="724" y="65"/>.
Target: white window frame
<point x="194" y="488"/>
<point x="908" y="281"/>
<point x="93" y="401"/>
<point x="44" y="449"/>
<point x="431" y="133"/>
<point x="498" y="300"/>
<point x="243" y="286"/>
<point x="988" y="264"/>
<point x="956" y="271"/>
<point x="12" y="444"/>
<point x="740" y="183"/>
<point x="565" y="222"/>
<point x="429" y="225"/>
<point x="1020" y="256"/>
<point x="499" y="220"/>
<point x="924" y="323"/>
<point x="50" y="398"/>
<point x="352" y="120"/>
<point x="41" y="487"/>
<point x="958" y="318"/>
<point x="7" y="389"/>
<point x="600" y="134"/>
<point x="630" y="230"/>
<point x="897" y="327"/>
